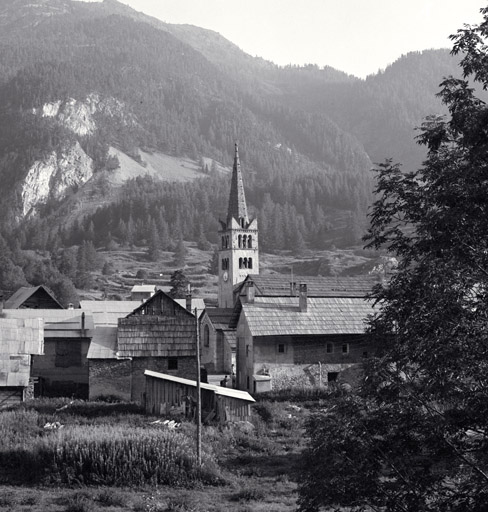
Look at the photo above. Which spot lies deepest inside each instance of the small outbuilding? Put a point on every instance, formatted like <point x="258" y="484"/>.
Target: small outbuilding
<point x="167" y="393"/>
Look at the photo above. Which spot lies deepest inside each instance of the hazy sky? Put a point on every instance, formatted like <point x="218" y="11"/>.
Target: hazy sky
<point x="356" y="36"/>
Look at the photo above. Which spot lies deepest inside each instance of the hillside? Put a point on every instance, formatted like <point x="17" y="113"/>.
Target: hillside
<point x="115" y="126"/>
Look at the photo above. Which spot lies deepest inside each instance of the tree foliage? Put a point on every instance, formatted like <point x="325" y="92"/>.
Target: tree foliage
<point x="415" y="436"/>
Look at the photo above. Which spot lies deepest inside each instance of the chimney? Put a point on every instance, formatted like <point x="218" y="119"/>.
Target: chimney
<point x="293" y="289"/>
<point x="188" y="299"/>
<point x="302" y="301"/>
<point x="83" y="324"/>
<point x="250" y="292"/>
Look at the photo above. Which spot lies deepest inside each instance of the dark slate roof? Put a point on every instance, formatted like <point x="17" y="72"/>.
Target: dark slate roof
<point x="237" y="200"/>
<point x="17" y="299"/>
<point x="220" y="317"/>
<point x="278" y="285"/>
<point x="278" y="316"/>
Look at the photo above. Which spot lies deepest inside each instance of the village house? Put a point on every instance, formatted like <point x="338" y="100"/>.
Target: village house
<point x="142" y="292"/>
<point x="158" y="335"/>
<point x="289" y="341"/>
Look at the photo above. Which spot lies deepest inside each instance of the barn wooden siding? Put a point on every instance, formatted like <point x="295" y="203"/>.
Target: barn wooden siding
<point x="165" y="394"/>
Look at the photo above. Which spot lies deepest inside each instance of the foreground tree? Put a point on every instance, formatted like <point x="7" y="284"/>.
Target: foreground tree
<point x="415" y="437"/>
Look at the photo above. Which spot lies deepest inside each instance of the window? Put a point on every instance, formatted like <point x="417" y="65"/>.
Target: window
<point x="223" y="242"/>
<point x="345" y="348"/>
<point x="281" y="348"/>
<point x="247" y="350"/>
<point x="332" y="376"/>
<point x="206" y="336"/>
<point x="239" y="241"/>
<point x="249" y="262"/>
<point x="330" y="348"/>
<point x="172" y="363"/>
<point x="244" y="240"/>
<point x="249" y="241"/>
<point x="247" y="381"/>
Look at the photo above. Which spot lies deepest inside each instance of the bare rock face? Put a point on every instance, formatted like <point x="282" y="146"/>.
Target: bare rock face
<point x="54" y="176"/>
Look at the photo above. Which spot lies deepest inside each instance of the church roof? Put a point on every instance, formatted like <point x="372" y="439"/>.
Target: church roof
<point x="237" y="199"/>
<point x="317" y="286"/>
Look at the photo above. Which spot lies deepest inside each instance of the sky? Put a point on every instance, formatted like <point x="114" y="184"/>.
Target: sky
<point x="356" y="36"/>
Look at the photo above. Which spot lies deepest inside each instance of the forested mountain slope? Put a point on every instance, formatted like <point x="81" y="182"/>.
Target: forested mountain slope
<point x="81" y="83"/>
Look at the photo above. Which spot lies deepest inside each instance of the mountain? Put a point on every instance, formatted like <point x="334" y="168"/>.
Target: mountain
<point x="92" y="94"/>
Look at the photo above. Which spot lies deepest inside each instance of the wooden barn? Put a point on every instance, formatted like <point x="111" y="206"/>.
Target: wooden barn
<point x="159" y="335"/>
<point x="167" y="393"/>
<point x="37" y="297"/>
<point x="20" y="339"/>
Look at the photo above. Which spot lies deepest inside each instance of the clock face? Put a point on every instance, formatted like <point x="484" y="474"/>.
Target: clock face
<point x="225" y="276"/>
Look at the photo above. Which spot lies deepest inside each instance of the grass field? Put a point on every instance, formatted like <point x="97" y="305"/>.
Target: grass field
<point x="111" y="457"/>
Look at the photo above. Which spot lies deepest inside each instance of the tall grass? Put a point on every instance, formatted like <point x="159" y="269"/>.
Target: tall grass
<point x="98" y="454"/>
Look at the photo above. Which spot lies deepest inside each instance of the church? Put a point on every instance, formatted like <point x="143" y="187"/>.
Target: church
<point x="270" y="332"/>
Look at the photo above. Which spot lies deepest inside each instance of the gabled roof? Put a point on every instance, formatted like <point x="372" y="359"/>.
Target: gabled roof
<point x="218" y="390"/>
<point x="278" y="285"/>
<point x="108" y="312"/>
<point x="279" y="316"/>
<point x="154" y="305"/>
<point x="220" y="317"/>
<point x="22" y="295"/>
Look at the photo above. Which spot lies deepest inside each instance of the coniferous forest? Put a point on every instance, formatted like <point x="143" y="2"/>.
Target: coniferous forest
<point x="308" y="136"/>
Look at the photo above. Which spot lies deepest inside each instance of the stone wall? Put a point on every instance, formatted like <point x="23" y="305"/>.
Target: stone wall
<point x="110" y="377"/>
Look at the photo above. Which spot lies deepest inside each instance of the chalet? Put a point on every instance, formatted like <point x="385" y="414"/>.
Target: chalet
<point x="287" y="341"/>
<point x="167" y="393"/>
<point x="37" y="297"/>
<point x="20" y="340"/>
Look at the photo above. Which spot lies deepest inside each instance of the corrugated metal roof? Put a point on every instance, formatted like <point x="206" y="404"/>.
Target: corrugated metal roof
<point x="219" y="390"/>
<point x="54" y="319"/>
<point x="103" y="344"/>
<point x="19" y="339"/>
<point x="108" y="312"/>
<point x="317" y="286"/>
<point x="276" y="316"/>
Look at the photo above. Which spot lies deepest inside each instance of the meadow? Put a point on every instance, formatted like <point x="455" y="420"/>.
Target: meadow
<point x="76" y="456"/>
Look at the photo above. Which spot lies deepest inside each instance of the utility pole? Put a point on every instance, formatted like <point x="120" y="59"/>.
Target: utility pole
<point x="199" y="397"/>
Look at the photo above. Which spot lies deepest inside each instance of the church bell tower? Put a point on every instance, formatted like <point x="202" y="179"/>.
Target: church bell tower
<point x="238" y="252"/>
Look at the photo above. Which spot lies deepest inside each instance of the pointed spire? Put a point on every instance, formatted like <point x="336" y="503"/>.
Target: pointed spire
<point x="237" y="199"/>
